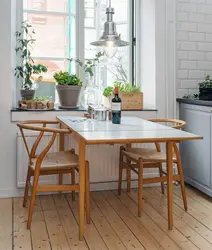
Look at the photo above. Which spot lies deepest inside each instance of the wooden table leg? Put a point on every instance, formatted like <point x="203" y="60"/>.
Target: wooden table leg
<point x="61" y="140"/>
<point x="82" y="148"/>
<point x="169" y="155"/>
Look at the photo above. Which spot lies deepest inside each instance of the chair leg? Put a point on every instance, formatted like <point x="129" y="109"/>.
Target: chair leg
<point x="182" y="184"/>
<point x="161" y="175"/>
<point x="73" y="183"/>
<point x="120" y="170"/>
<point x="32" y="200"/>
<point x="128" y="178"/>
<point x="27" y="187"/>
<point x="120" y="179"/>
<point x="60" y="181"/>
<point x="140" y="186"/>
<point x="87" y="192"/>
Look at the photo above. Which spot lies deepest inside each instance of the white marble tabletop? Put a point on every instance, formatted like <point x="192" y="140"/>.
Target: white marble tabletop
<point x="132" y="129"/>
<point x="128" y="123"/>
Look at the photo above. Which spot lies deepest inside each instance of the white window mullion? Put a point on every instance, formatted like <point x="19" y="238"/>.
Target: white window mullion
<point x="80" y="37"/>
<point x="138" y="32"/>
<point x="130" y="32"/>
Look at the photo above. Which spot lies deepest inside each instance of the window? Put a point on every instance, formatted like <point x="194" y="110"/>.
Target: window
<point x="65" y="28"/>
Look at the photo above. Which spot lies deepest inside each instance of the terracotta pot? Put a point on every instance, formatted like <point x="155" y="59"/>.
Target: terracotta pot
<point x="50" y="105"/>
<point x="33" y="105"/>
<point x="28" y="103"/>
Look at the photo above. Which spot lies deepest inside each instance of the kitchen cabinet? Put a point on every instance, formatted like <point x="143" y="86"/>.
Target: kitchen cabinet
<point x="196" y="155"/>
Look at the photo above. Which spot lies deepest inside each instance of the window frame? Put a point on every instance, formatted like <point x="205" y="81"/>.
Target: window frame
<point x="134" y="32"/>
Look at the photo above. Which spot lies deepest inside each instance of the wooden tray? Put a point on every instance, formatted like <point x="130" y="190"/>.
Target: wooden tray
<point x="35" y="109"/>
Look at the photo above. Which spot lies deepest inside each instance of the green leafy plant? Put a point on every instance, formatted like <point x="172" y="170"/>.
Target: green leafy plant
<point x="27" y="68"/>
<point x="64" y="78"/>
<point x="207" y="83"/>
<point x="89" y="65"/>
<point x="108" y="91"/>
<point x="41" y="98"/>
<point x="190" y="96"/>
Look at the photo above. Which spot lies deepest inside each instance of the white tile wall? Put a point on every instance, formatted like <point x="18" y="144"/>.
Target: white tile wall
<point x="194" y="38"/>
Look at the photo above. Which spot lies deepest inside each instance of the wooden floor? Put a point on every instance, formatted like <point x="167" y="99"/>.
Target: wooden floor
<point x="115" y="224"/>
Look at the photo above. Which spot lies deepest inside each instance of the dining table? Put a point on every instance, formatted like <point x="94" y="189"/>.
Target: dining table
<point x="131" y="130"/>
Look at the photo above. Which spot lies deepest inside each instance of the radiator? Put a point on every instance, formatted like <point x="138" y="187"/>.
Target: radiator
<point x="103" y="162"/>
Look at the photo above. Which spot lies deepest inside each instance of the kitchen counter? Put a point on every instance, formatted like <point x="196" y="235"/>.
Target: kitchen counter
<point x="195" y="102"/>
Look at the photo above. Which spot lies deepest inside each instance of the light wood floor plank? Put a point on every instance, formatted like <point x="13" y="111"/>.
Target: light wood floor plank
<point x="69" y="223"/>
<point x="39" y="234"/>
<point x="161" y="221"/>
<point x="109" y="236"/>
<point x="202" y="218"/>
<point x="54" y="225"/>
<point x="198" y="196"/>
<point x="184" y="228"/>
<point x="162" y="238"/>
<point x="136" y="228"/>
<point x="195" y="204"/>
<point x="6" y="224"/>
<point x="22" y="236"/>
<point x="185" y="216"/>
<point x="92" y="236"/>
<point x="114" y="225"/>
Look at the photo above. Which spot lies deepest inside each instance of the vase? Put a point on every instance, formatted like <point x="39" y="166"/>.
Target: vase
<point x="91" y="95"/>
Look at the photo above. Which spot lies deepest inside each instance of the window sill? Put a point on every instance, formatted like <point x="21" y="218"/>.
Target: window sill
<point x="22" y="115"/>
<point x="80" y="109"/>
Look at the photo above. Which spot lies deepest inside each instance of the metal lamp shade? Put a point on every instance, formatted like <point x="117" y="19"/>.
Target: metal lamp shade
<point x="110" y="35"/>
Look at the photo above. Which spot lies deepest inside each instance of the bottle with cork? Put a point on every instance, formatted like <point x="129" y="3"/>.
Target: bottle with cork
<point x="116" y="107"/>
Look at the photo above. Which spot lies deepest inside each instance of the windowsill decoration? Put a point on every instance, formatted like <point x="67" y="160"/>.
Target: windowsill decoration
<point x="27" y="70"/>
<point x="132" y="98"/>
<point x="90" y="93"/>
<point x="68" y="88"/>
<point x="38" y="103"/>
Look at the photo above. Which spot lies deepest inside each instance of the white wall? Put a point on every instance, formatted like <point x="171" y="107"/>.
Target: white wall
<point x="7" y="129"/>
<point x="164" y="78"/>
<point x="194" y="36"/>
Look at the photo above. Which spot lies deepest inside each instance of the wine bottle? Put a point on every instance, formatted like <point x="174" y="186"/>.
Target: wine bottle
<point x="116" y="107"/>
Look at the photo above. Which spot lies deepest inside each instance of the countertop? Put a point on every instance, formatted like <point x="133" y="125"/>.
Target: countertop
<point x="195" y="102"/>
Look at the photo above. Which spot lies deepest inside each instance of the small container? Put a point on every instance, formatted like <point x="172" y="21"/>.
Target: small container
<point x="110" y="115"/>
<point x="100" y="114"/>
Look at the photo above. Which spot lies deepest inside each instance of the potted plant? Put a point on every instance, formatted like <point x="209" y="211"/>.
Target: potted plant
<point x="27" y="70"/>
<point x="68" y="88"/>
<point x="131" y="96"/>
<point x="205" y="89"/>
<point x="43" y="102"/>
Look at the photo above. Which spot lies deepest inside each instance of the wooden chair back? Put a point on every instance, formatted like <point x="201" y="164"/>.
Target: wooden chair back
<point x="40" y="126"/>
<point x="174" y="123"/>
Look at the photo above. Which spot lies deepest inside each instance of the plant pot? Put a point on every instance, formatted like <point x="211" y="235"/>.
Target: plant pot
<point x="205" y="94"/>
<point x="27" y="94"/>
<point x="50" y="105"/>
<point x="68" y="95"/>
<point x="33" y="105"/>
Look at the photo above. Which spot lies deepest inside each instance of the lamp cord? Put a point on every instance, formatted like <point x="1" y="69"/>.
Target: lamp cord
<point x="110" y="3"/>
